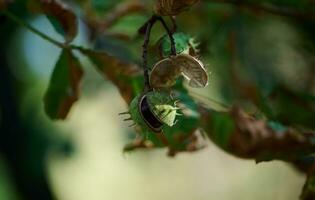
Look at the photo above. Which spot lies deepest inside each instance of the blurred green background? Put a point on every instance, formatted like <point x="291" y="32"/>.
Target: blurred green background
<point x="81" y="158"/>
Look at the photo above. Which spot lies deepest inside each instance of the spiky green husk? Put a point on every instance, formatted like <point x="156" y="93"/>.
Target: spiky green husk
<point x="135" y="113"/>
<point x="161" y="105"/>
<point x="183" y="43"/>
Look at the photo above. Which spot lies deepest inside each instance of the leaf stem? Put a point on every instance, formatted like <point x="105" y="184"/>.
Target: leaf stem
<point x="173" y="20"/>
<point x="147" y="86"/>
<point x="170" y="34"/>
<point x="19" y="21"/>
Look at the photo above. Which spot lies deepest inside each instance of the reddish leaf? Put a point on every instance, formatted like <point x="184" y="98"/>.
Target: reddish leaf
<point x="64" y="85"/>
<point x="247" y="137"/>
<point x="60" y="15"/>
<point x="118" y="72"/>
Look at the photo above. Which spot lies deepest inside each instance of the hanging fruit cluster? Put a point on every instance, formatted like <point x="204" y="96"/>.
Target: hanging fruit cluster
<point x="155" y="110"/>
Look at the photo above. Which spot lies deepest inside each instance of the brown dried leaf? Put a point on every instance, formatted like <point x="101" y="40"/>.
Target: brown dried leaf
<point x="255" y="138"/>
<point x="64" y="15"/>
<point x="117" y="71"/>
<point x="248" y="137"/>
<point x="173" y="7"/>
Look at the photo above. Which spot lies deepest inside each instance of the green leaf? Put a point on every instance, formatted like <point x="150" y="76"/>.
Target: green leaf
<point x="290" y="107"/>
<point x="64" y="84"/>
<point x="101" y="6"/>
<point x="220" y="129"/>
<point x="56" y="24"/>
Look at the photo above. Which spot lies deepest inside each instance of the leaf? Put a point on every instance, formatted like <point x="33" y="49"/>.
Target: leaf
<point x="222" y="128"/>
<point x="173" y="7"/>
<point x="290" y="107"/>
<point x="62" y="18"/>
<point x="247" y="137"/>
<point x="64" y="85"/>
<point x="122" y="74"/>
<point x="101" y="5"/>
<point x="183" y="136"/>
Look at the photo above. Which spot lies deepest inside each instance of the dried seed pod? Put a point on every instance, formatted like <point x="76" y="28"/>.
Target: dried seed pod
<point x="164" y="73"/>
<point x="193" y="70"/>
<point x="172" y="7"/>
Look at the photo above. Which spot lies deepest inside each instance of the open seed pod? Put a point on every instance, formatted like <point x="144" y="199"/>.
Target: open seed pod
<point x="193" y="70"/>
<point x="172" y="7"/>
<point x="152" y="110"/>
<point x="166" y="71"/>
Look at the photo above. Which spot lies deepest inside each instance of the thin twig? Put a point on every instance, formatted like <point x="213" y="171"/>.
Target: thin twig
<point x="170" y="34"/>
<point x="32" y="29"/>
<point x="147" y="86"/>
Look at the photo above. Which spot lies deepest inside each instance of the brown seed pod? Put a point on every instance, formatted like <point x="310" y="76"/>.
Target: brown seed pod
<point x="172" y="7"/>
<point x="164" y="73"/>
<point x="193" y="70"/>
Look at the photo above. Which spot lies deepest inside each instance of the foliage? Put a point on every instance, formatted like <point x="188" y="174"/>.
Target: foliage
<point x="271" y="108"/>
<point x="63" y="89"/>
